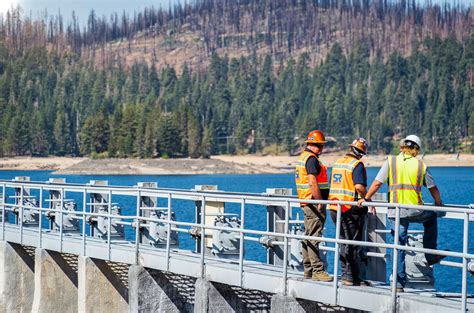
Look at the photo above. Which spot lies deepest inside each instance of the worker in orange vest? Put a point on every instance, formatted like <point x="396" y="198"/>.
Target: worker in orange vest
<point x="348" y="183"/>
<point x="312" y="184"/>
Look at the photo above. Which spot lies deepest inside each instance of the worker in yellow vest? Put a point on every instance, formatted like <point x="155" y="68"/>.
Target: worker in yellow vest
<point x="406" y="175"/>
<point x="312" y="184"/>
<point x="348" y="183"/>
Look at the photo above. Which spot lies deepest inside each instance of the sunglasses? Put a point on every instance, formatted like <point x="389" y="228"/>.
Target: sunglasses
<point x="318" y="145"/>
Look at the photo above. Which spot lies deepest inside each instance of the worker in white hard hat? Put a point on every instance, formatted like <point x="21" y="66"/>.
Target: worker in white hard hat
<point x="406" y="175"/>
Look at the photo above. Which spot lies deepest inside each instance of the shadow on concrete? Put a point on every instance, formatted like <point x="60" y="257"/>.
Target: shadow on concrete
<point x="245" y="300"/>
<point x="110" y="272"/>
<point x="63" y="264"/>
<point x="178" y="288"/>
<point x="25" y="254"/>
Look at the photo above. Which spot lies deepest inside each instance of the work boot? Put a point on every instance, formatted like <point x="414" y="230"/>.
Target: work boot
<point x="349" y="282"/>
<point x="399" y="288"/>
<point x="361" y="282"/>
<point x="321" y="276"/>
<point x="308" y="274"/>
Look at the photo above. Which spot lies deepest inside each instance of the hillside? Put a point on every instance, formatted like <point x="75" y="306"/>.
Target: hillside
<point x="284" y="29"/>
<point x="192" y="32"/>
<point x="236" y="77"/>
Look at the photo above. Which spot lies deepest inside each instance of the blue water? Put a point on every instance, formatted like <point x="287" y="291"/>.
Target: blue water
<point x="455" y="184"/>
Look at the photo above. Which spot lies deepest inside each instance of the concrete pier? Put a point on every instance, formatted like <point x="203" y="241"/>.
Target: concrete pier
<point x="16" y="278"/>
<point x="100" y="288"/>
<point x="55" y="284"/>
<point x="157" y="291"/>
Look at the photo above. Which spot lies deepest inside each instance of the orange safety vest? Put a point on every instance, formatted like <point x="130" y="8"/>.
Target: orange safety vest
<point x="342" y="184"/>
<point x="301" y="176"/>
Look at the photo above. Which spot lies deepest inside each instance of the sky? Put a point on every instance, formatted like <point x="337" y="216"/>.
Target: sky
<point x="82" y="8"/>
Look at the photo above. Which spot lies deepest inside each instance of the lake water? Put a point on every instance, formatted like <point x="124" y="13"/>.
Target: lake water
<point x="455" y="184"/>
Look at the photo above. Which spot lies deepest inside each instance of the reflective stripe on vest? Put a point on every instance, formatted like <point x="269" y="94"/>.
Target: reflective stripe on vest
<point x="404" y="187"/>
<point x="406" y="177"/>
<point x="342" y="184"/>
<point x="301" y="176"/>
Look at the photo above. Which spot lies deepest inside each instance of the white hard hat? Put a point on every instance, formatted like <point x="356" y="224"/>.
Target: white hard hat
<point x="413" y="138"/>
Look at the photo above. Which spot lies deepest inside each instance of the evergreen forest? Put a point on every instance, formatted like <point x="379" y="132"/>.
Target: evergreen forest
<point x="59" y="97"/>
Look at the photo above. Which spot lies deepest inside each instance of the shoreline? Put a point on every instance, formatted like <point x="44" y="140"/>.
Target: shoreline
<point x="219" y="164"/>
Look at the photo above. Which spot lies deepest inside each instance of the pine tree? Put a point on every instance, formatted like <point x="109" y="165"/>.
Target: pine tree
<point x="149" y="138"/>
<point x="194" y="136"/>
<point x="39" y="139"/>
<point x="207" y="143"/>
<point x="168" y="137"/>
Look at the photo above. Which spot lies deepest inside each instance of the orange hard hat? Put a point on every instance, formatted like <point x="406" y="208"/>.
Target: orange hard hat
<point x="316" y="136"/>
<point x="360" y="144"/>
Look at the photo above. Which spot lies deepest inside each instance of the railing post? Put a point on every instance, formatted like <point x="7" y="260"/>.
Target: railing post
<point x="395" y="259"/>
<point x="61" y="217"/>
<point x="84" y="217"/>
<point x="40" y="218"/>
<point x="242" y="246"/>
<point x="109" y="222"/>
<point x="336" y="253"/>
<point x="464" y="263"/>
<point x="168" y="234"/>
<point x="285" y="249"/>
<point x="4" y="198"/>
<point x="137" y="225"/>
<point x="20" y="218"/>
<point x="203" y="234"/>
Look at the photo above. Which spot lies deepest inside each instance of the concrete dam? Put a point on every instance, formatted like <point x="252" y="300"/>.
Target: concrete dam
<point x="85" y="248"/>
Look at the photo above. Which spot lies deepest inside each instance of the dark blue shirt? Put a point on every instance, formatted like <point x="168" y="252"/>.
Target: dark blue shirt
<point x="359" y="175"/>
<point x="314" y="168"/>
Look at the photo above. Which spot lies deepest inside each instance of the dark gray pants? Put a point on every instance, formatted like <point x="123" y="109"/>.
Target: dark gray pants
<point x="314" y="220"/>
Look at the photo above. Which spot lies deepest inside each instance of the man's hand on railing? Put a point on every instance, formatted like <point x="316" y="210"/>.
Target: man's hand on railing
<point x="372" y="209"/>
<point x="360" y="201"/>
<point x="440" y="213"/>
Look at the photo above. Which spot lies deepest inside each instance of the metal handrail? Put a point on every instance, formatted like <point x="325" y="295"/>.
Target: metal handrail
<point x="226" y="195"/>
<point x="286" y="202"/>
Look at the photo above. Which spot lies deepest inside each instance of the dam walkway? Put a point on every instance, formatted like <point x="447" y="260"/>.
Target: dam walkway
<point x="96" y="247"/>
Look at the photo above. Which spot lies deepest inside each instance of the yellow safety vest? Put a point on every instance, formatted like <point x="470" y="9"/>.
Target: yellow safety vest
<point x="342" y="184"/>
<point x="301" y="176"/>
<point x="405" y="179"/>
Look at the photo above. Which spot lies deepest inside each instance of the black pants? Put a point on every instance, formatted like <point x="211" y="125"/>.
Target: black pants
<point x="352" y="224"/>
